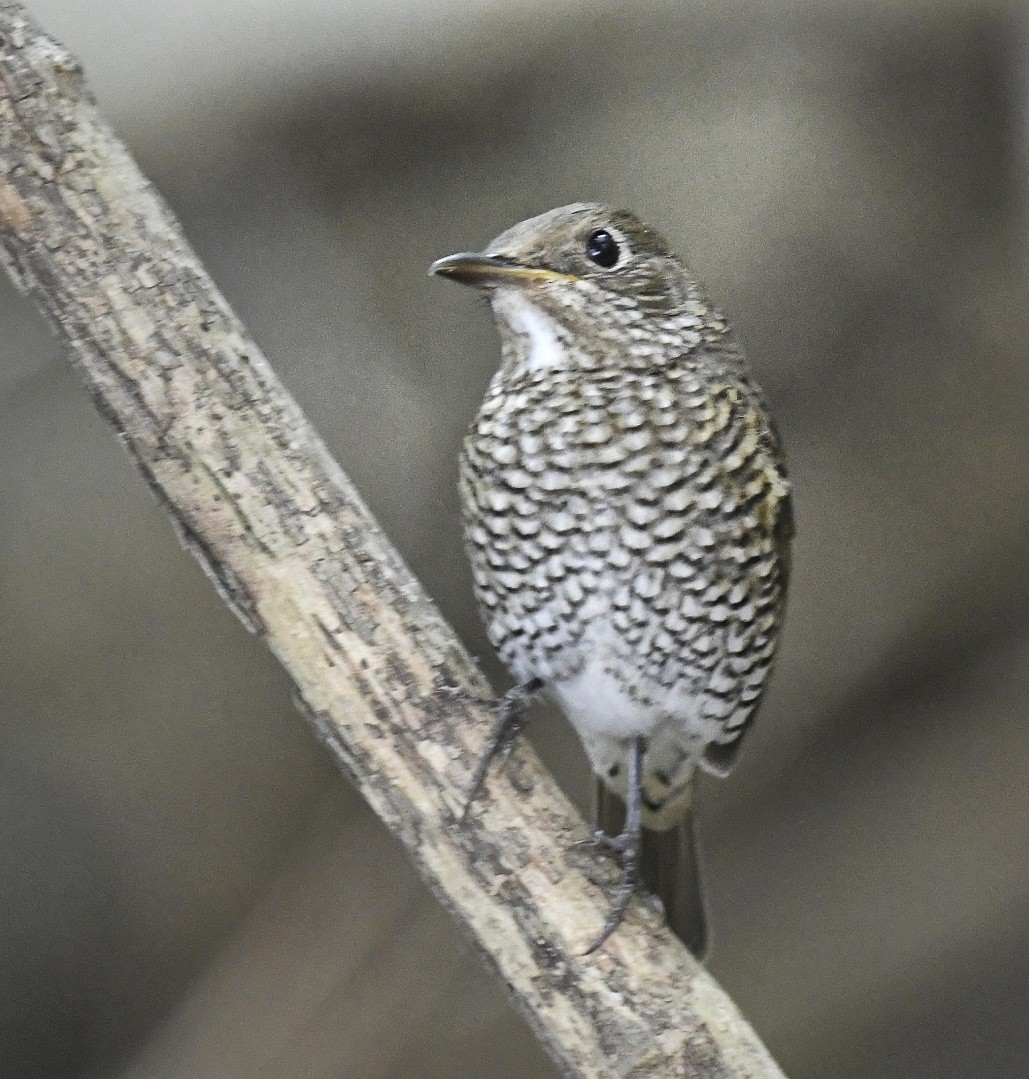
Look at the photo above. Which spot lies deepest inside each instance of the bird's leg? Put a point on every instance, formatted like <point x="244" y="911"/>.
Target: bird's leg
<point x="508" y="725"/>
<point x="626" y="845"/>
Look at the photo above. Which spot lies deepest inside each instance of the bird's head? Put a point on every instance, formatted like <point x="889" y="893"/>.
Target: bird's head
<point x="584" y="285"/>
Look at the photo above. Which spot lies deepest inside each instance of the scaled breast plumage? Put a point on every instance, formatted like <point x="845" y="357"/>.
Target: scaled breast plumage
<point x="635" y="512"/>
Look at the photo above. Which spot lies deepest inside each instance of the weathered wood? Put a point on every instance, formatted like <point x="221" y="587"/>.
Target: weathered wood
<point x="290" y="546"/>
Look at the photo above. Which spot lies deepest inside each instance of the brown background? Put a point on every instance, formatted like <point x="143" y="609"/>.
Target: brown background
<point x="186" y="887"/>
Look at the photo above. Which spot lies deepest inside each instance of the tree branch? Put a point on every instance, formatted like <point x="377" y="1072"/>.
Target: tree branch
<point x="288" y="543"/>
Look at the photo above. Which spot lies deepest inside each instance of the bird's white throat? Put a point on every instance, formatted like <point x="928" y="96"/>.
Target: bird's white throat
<point x="541" y="346"/>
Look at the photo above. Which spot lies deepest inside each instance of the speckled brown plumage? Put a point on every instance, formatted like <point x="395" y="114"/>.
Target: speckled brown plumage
<point x="626" y="506"/>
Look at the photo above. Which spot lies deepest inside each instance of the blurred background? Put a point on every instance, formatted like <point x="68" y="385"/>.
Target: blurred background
<point x="187" y="887"/>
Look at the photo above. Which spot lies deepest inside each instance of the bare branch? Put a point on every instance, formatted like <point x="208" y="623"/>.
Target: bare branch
<point x="288" y="543"/>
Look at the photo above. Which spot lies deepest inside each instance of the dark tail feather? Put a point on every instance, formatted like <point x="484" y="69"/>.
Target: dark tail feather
<point x="670" y="870"/>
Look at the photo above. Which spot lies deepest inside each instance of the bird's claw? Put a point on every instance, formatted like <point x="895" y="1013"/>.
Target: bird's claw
<point x="508" y="724"/>
<point x="614" y="846"/>
<point x="498" y="748"/>
<point x="625" y="847"/>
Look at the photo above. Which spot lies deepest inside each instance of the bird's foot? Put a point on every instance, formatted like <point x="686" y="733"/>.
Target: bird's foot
<point x="457" y="694"/>
<point x="625" y="847"/>
<point x="508" y="725"/>
<point x="614" y="846"/>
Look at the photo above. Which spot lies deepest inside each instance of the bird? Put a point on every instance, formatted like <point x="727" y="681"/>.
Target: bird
<point x="628" y="519"/>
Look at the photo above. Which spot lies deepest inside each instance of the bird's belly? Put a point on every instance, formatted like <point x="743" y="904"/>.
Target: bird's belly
<point x="625" y="648"/>
<point x="611" y="696"/>
<point x="600" y="704"/>
<point x="607" y="712"/>
<point x="612" y="691"/>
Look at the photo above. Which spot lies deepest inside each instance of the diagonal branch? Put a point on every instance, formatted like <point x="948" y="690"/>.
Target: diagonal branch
<point x="290" y="546"/>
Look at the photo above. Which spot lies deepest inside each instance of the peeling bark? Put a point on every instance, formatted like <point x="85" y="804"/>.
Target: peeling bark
<point x="292" y="549"/>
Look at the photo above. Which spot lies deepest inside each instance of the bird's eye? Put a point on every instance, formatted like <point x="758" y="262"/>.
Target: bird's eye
<point x="602" y="248"/>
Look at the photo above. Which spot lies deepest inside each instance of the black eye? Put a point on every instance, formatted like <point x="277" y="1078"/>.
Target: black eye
<point x="602" y="248"/>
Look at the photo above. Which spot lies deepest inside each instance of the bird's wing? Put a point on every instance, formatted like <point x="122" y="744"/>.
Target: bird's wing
<point x="720" y="757"/>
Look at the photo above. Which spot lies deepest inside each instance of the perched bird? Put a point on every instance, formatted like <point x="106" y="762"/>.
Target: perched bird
<point x="627" y="516"/>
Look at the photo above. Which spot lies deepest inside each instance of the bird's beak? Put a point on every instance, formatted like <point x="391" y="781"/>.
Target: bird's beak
<point x="485" y="271"/>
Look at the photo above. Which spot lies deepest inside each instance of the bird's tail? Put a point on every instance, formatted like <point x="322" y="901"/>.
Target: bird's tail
<point x="670" y="869"/>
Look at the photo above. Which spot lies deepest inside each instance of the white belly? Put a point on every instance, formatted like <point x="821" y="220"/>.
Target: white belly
<point x="598" y="704"/>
